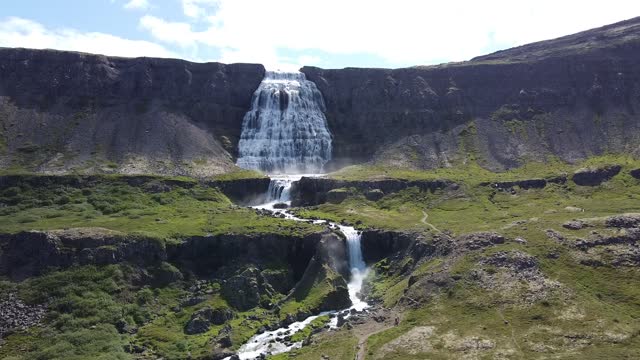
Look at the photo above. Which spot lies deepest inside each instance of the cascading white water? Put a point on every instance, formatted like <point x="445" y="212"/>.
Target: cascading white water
<point x="356" y="263"/>
<point x="285" y="132"/>
<point x="271" y="342"/>
<point x="279" y="188"/>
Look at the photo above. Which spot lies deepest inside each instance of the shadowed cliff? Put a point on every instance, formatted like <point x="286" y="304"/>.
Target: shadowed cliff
<point x="92" y="113"/>
<point x="568" y="98"/>
<point x="571" y="97"/>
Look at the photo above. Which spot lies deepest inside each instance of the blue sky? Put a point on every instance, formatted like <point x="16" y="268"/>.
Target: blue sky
<point x="287" y="34"/>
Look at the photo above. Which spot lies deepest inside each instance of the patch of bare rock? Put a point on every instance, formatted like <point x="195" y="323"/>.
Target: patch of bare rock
<point x="16" y="315"/>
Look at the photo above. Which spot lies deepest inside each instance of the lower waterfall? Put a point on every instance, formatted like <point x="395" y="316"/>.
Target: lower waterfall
<point x="271" y="342"/>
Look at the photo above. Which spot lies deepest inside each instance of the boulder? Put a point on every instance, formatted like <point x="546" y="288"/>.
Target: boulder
<point x="623" y="221"/>
<point x="336" y="196"/>
<point x="635" y="173"/>
<point x="574" y="225"/>
<point x="221" y="315"/>
<point x="478" y="240"/>
<point x="224" y="337"/>
<point x="243" y="291"/>
<point x="280" y="205"/>
<point x="374" y="195"/>
<point x="199" y="322"/>
<point x="202" y="319"/>
<point x="595" y="176"/>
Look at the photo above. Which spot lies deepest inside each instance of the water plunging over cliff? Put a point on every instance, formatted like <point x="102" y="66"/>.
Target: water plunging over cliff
<point x="285" y="132"/>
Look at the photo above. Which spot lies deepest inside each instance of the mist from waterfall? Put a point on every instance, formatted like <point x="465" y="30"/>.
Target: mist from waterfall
<point x="285" y="132"/>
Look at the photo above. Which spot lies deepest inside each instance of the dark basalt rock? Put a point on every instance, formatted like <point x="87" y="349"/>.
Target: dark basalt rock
<point x="313" y="191"/>
<point x="244" y="291"/>
<point x="595" y="176"/>
<point x="574" y="225"/>
<point x="280" y="206"/>
<point x="525" y="184"/>
<point x="552" y="89"/>
<point x="30" y="253"/>
<point x="145" y="115"/>
<point x="514" y="260"/>
<point x="478" y="240"/>
<point x="336" y="196"/>
<point x="623" y="221"/>
<point x="198" y="324"/>
<point x="242" y="190"/>
<point x="202" y="319"/>
<point x="635" y="173"/>
<point x="374" y="195"/>
<point x="15" y="315"/>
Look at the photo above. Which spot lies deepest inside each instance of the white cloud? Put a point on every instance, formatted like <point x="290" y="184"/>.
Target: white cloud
<point x="19" y="32"/>
<point x="137" y="5"/>
<point x="403" y="32"/>
<point x="197" y="8"/>
<point x="170" y="32"/>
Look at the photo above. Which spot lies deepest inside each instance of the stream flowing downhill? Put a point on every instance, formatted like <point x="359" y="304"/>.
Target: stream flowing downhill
<point x="273" y="342"/>
<point x="285" y="133"/>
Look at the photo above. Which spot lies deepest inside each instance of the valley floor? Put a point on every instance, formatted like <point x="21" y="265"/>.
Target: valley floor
<point x="490" y="266"/>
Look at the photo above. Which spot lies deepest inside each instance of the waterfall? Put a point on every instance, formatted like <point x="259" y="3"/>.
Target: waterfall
<point x="279" y="189"/>
<point x="357" y="266"/>
<point x="285" y="132"/>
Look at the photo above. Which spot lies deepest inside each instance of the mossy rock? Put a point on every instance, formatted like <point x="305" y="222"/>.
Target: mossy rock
<point x="337" y="196"/>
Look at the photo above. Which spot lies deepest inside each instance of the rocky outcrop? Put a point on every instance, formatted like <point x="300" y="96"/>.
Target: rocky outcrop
<point x="314" y="190"/>
<point x="374" y="195"/>
<point x="244" y="291"/>
<point x="525" y="184"/>
<point x="575" y="224"/>
<point x="243" y="190"/>
<point x="205" y="254"/>
<point x="92" y="113"/>
<point x="570" y="97"/>
<point x="595" y="176"/>
<point x="325" y="277"/>
<point x="16" y="315"/>
<point x="623" y="221"/>
<point x="31" y="253"/>
<point x="201" y="320"/>
<point x="479" y="240"/>
<point x="337" y="196"/>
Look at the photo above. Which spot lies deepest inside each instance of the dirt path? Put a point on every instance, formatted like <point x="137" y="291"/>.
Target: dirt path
<point x="513" y="334"/>
<point x="372" y="327"/>
<point x="424" y="221"/>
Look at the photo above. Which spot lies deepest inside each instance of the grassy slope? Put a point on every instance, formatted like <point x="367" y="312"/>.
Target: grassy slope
<point x="599" y="303"/>
<point x="115" y="205"/>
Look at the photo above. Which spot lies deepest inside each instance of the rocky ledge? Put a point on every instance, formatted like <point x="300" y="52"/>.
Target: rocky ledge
<point x="311" y="191"/>
<point x="31" y="253"/>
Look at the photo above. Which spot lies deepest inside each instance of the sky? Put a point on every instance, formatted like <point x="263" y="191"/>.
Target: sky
<point x="287" y="34"/>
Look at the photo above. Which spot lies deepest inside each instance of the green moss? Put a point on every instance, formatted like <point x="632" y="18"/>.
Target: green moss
<point x="238" y="174"/>
<point x="334" y="345"/>
<point x="186" y="209"/>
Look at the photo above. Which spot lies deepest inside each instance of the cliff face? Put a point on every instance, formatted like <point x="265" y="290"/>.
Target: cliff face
<point x="570" y="97"/>
<point x="62" y="110"/>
